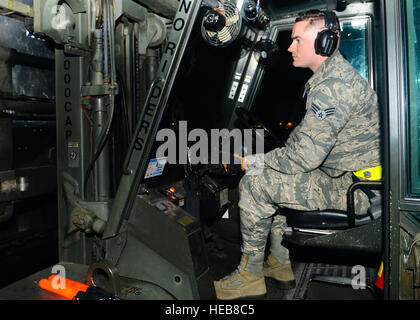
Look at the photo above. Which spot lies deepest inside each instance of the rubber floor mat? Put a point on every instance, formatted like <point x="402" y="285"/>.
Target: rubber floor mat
<point x="338" y="279"/>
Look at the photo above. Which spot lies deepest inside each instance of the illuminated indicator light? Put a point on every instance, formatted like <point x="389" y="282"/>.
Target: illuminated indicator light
<point x="289" y="124"/>
<point x="69" y="290"/>
<point x="172" y="189"/>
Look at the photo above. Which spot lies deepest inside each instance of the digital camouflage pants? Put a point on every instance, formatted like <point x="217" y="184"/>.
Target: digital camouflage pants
<point x="261" y="195"/>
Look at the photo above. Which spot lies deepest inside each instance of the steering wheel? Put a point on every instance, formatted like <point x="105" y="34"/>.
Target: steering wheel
<point x="250" y="121"/>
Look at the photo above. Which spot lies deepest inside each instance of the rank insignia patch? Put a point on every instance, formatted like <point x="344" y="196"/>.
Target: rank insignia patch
<point x="322" y="114"/>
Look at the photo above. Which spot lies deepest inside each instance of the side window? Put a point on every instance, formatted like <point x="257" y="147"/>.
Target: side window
<point x="355" y="40"/>
<point x="411" y="32"/>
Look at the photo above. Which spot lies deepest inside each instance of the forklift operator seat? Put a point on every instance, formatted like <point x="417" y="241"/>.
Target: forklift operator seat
<point x="317" y="228"/>
<point x="338" y="219"/>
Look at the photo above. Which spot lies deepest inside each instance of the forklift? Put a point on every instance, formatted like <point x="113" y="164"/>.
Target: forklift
<point x="140" y="211"/>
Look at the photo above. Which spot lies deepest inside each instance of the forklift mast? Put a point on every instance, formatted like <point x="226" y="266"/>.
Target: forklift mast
<point x="107" y="225"/>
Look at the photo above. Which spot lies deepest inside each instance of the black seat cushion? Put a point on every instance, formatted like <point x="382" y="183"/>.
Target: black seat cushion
<point x="328" y="219"/>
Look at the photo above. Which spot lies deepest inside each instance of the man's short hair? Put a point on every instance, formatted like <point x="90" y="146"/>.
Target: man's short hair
<point x="314" y="16"/>
<point x="311" y="16"/>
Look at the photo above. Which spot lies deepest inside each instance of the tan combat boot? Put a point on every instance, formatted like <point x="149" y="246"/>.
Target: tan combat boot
<point x="281" y="273"/>
<point x="241" y="284"/>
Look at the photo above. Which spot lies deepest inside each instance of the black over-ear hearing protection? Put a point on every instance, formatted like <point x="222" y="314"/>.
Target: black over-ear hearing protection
<point x="327" y="40"/>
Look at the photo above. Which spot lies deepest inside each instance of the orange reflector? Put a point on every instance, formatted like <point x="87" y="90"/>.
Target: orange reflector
<point x="62" y="286"/>
<point x="219" y="10"/>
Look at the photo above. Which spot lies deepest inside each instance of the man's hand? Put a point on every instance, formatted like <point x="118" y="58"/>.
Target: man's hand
<point x="231" y="168"/>
<point x="243" y="164"/>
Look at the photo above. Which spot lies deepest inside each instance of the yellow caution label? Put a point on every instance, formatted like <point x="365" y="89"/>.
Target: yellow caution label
<point x="185" y="220"/>
<point x="374" y="173"/>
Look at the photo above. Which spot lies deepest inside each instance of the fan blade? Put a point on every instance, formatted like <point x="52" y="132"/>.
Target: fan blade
<point x="212" y="37"/>
<point x="211" y="34"/>
<point x="224" y="35"/>
<point x="232" y="20"/>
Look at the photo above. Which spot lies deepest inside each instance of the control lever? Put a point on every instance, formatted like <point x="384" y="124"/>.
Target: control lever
<point x="193" y="188"/>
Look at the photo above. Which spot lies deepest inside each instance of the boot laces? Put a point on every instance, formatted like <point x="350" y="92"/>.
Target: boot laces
<point x="232" y="276"/>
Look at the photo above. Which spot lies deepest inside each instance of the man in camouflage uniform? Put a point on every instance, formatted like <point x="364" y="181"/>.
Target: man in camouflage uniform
<point x="339" y="134"/>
